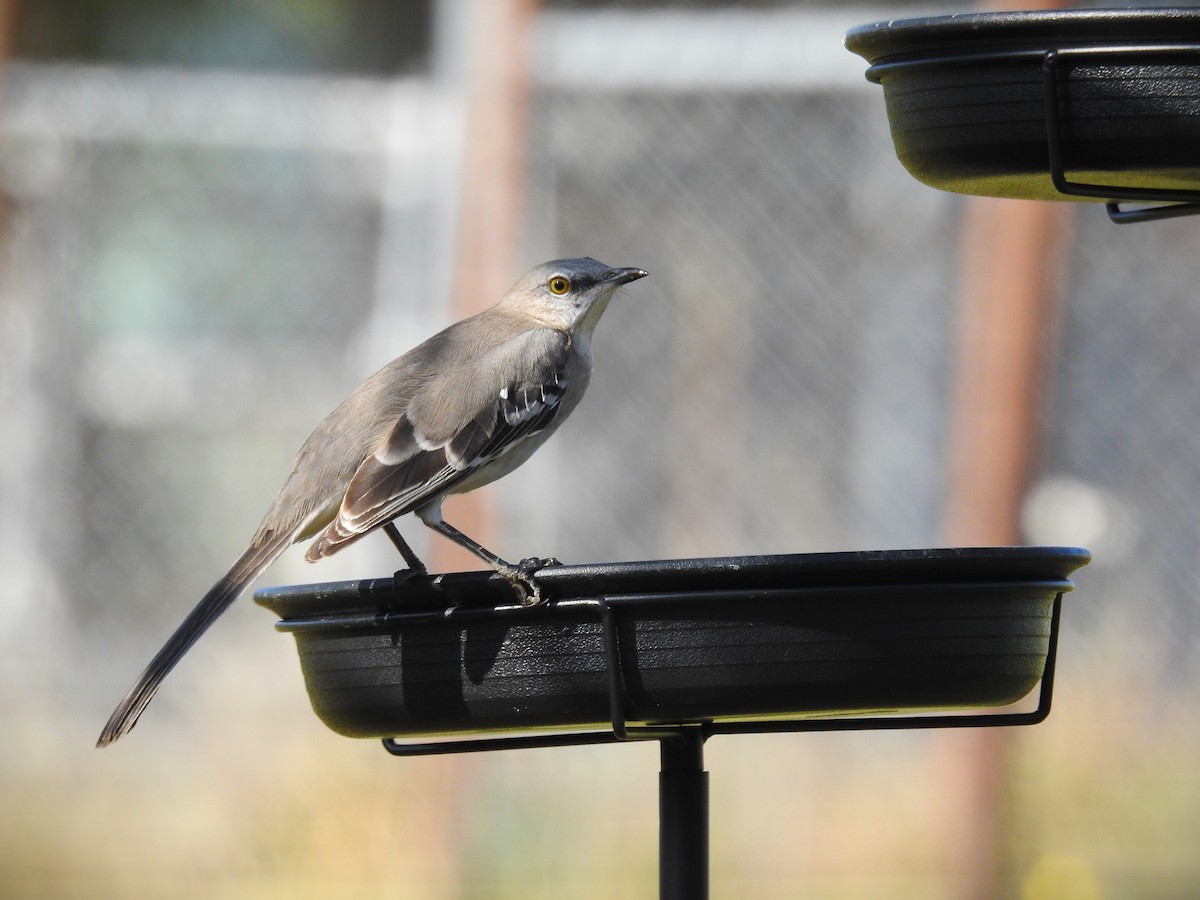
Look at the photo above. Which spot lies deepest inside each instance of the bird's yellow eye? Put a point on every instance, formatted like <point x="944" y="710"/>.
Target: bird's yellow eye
<point x="559" y="285"/>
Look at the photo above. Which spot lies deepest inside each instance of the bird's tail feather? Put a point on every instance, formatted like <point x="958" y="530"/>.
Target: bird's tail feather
<point x="251" y="564"/>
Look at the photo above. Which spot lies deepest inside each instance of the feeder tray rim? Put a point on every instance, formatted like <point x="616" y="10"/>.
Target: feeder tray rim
<point x="647" y="580"/>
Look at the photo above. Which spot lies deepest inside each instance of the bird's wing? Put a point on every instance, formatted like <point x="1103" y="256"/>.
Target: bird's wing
<point x="464" y="421"/>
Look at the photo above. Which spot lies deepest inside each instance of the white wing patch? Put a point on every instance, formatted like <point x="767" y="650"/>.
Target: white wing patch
<point x="521" y="413"/>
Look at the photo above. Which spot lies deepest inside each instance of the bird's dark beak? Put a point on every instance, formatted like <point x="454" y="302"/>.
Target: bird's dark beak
<point x="624" y="276"/>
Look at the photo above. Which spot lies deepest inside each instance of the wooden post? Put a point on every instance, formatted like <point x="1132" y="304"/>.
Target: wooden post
<point x="491" y="212"/>
<point x="1012" y="253"/>
<point x="486" y="59"/>
<point x="1012" y="257"/>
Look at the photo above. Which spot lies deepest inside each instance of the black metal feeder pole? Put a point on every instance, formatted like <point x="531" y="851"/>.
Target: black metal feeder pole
<point x="683" y="817"/>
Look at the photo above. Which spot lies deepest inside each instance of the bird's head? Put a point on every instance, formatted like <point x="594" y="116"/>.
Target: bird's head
<point x="569" y="294"/>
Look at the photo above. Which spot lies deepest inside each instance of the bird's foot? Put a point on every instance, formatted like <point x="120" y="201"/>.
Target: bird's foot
<point x="409" y="575"/>
<point x="523" y="578"/>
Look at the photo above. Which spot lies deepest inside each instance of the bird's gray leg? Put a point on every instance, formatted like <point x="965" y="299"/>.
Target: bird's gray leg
<point x="416" y="568"/>
<point x="520" y="576"/>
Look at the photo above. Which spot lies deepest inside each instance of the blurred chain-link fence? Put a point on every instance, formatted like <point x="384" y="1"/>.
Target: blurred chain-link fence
<point x="199" y="266"/>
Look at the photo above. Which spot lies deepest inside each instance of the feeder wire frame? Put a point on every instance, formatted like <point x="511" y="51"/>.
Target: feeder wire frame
<point x="622" y="731"/>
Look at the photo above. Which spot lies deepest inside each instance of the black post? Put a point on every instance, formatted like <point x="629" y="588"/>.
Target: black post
<point x="683" y="818"/>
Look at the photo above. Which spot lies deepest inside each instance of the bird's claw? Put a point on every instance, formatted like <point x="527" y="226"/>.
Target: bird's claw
<point x="523" y="578"/>
<point x="409" y="575"/>
<point x="536" y="563"/>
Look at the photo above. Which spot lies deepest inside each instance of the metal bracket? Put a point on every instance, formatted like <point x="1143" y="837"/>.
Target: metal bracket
<point x="1177" y="202"/>
<point x="621" y="731"/>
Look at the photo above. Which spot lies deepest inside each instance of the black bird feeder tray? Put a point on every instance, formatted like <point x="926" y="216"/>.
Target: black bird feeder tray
<point x="1062" y="104"/>
<point x="677" y="651"/>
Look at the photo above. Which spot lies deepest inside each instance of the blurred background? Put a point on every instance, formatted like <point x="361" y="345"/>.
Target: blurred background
<point x="219" y="217"/>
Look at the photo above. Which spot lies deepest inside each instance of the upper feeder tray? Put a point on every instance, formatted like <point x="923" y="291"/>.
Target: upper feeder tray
<point x="1044" y="105"/>
<point x="688" y="641"/>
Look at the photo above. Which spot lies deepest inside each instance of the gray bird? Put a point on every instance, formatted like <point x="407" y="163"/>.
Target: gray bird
<point x="462" y="409"/>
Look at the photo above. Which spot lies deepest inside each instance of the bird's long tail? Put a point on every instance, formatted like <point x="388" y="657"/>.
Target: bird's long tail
<point x="251" y="564"/>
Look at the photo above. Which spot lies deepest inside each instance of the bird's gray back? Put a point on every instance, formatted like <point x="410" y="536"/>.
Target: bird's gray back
<point x="441" y="386"/>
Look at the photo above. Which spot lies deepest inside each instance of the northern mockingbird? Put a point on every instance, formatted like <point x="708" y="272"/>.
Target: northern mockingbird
<point x="462" y="409"/>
